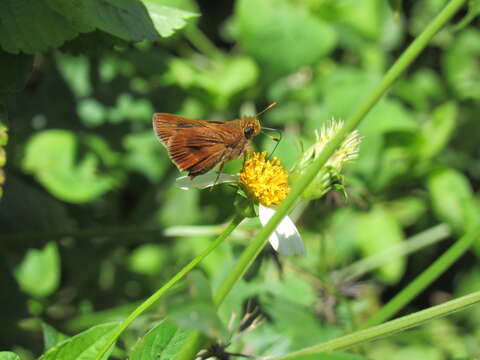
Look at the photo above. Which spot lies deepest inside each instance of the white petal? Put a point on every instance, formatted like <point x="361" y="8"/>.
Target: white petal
<point x="285" y="239"/>
<point x="204" y="181"/>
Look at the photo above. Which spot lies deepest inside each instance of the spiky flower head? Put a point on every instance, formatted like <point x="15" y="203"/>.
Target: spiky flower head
<point x="331" y="172"/>
<point x="265" y="180"/>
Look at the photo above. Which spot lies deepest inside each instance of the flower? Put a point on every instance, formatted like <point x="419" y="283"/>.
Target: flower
<point x="266" y="182"/>
<point x="285" y="239"/>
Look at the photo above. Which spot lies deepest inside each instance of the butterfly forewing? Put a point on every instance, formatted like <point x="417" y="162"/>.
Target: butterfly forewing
<point x="196" y="145"/>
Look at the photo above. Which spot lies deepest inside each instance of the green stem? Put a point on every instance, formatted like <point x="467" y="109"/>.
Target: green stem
<point x="426" y="278"/>
<point x="416" y="242"/>
<point x="122" y="234"/>
<point x="388" y="328"/>
<point x="201" y="42"/>
<point x="113" y="231"/>
<point x="192" y="346"/>
<point x="160" y="292"/>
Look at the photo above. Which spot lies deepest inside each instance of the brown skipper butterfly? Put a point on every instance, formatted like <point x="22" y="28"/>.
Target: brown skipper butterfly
<point x="197" y="146"/>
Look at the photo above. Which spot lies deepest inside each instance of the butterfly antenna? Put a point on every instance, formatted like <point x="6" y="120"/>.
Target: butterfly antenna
<point x="274" y="138"/>
<point x="267" y="108"/>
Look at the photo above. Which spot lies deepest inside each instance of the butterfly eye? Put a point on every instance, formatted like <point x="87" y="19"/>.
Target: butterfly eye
<point x="248" y="132"/>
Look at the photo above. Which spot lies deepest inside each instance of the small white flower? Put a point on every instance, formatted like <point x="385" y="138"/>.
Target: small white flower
<point x="285" y="239"/>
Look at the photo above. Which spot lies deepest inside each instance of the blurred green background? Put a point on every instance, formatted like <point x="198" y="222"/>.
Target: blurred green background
<point x="91" y="222"/>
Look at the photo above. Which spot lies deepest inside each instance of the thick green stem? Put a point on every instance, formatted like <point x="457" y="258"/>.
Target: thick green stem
<point x="260" y="240"/>
<point x="388" y="328"/>
<point x="160" y="292"/>
<point x="423" y="280"/>
<point x="393" y="74"/>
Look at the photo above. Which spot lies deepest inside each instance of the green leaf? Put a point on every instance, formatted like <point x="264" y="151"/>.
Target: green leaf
<point x="345" y="87"/>
<point x="379" y="161"/>
<point x="228" y="77"/>
<point x="395" y="164"/>
<point x="93" y="44"/>
<point x="39" y="272"/>
<point x="281" y="34"/>
<point x="289" y="287"/>
<point x="51" y="156"/>
<point x="408" y="209"/>
<point x="342" y="238"/>
<point x="222" y="79"/>
<point x="76" y="72"/>
<point x="163" y="342"/>
<point x="466" y="284"/>
<point x="148" y="259"/>
<point x="83" y="346"/>
<point x="460" y="64"/>
<point x="51" y="337"/>
<point x="128" y="107"/>
<point x="367" y="17"/>
<point x="388" y="116"/>
<point x="167" y="19"/>
<point x="126" y="19"/>
<point x="31" y="26"/>
<point x="421" y="13"/>
<point x="144" y="155"/>
<point x="436" y="133"/>
<point x="8" y="355"/>
<point x="197" y="312"/>
<point x="378" y="230"/>
<point x="175" y="203"/>
<point x="296" y="323"/>
<point x="452" y="198"/>
<point x="396" y="6"/>
<point x="14" y="71"/>
<point x="200" y="316"/>
<point x="421" y="89"/>
<point x="199" y="287"/>
<point x="92" y="112"/>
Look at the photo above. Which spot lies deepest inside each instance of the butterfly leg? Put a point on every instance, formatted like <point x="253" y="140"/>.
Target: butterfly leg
<point x="219" y="172"/>
<point x="223" y="159"/>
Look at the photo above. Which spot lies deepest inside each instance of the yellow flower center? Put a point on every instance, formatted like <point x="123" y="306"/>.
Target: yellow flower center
<point x="266" y="180"/>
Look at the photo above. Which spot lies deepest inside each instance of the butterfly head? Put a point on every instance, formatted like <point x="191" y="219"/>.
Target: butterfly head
<point x="251" y="127"/>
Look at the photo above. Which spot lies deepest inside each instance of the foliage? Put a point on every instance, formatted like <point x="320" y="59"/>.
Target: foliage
<point x="92" y="223"/>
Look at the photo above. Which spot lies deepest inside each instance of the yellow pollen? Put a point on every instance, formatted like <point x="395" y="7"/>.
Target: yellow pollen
<point x="266" y="180"/>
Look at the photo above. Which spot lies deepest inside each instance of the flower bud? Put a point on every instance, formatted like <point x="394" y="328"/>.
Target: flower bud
<point x="3" y="155"/>
<point x="329" y="177"/>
